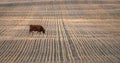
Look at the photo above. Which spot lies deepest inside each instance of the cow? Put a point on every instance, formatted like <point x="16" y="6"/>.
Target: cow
<point x="37" y="28"/>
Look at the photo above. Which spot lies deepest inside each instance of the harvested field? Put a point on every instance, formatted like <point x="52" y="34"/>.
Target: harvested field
<point x="80" y="31"/>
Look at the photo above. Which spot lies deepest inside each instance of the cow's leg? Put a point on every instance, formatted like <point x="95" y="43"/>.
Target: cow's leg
<point x="30" y="31"/>
<point x="37" y="32"/>
<point x="40" y="32"/>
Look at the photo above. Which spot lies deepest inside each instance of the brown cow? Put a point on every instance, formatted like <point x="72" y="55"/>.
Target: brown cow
<point x="37" y="28"/>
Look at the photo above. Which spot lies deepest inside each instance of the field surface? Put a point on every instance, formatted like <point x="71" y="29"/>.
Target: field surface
<point x="77" y="31"/>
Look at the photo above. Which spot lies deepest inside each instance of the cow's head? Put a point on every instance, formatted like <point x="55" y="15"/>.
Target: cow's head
<point x="43" y="31"/>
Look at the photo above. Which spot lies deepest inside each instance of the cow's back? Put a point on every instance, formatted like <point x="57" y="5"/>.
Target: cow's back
<point x="32" y="27"/>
